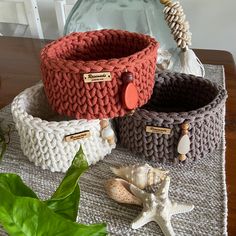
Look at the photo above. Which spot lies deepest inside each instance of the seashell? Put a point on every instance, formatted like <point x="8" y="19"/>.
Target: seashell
<point x="183" y="44"/>
<point x="179" y="35"/>
<point x="168" y="17"/>
<point x="184" y="145"/>
<point x="184" y="142"/>
<point x="166" y="10"/>
<point x="118" y="190"/>
<point x="175" y="4"/>
<point x="176" y="18"/>
<point x="141" y="176"/>
<point x="173" y="11"/>
<point x="173" y="24"/>
<point x="173" y="18"/>
<point x="179" y="42"/>
<point x="107" y="133"/>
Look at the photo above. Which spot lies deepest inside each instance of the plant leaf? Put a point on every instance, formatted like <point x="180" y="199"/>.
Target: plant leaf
<point x="25" y="216"/>
<point x="66" y="207"/>
<point x="65" y="200"/>
<point x="2" y="149"/>
<point x="3" y="135"/>
<point x="14" y="184"/>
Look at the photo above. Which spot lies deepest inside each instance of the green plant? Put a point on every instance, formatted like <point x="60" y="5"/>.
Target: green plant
<point x="23" y="213"/>
<point x="4" y="138"/>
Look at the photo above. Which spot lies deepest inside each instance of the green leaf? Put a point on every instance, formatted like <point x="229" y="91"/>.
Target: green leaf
<point x="14" y="184"/>
<point x="2" y="149"/>
<point x="70" y="181"/>
<point x="65" y="200"/>
<point x="66" y="207"/>
<point x="4" y="135"/>
<point x="25" y="216"/>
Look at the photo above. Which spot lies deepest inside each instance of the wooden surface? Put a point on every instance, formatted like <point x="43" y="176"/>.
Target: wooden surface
<point x="226" y="59"/>
<point x="19" y="69"/>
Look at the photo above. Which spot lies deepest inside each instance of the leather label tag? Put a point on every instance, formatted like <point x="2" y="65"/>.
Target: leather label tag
<point x="97" y="77"/>
<point x="77" y="136"/>
<point x="157" y="130"/>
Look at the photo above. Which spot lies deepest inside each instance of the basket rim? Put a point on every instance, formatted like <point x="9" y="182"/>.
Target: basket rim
<point x="136" y="57"/>
<point x="20" y="115"/>
<point x="179" y="117"/>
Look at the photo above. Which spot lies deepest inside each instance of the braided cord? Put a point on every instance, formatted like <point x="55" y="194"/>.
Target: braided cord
<point x="196" y="100"/>
<point x="63" y="63"/>
<point x="42" y="141"/>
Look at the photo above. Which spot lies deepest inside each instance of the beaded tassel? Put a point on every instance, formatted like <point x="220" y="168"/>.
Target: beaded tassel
<point x="184" y="142"/>
<point x="175" y="18"/>
<point x="107" y="132"/>
<point x="179" y="26"/>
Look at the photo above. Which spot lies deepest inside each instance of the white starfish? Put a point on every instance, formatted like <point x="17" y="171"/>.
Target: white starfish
<point x="158" y="207"/>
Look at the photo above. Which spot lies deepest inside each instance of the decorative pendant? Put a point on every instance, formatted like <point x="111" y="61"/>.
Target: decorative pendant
<point x="107" y="132"/>
<point x="129" y="94"/>
<point x="184" y="142"/>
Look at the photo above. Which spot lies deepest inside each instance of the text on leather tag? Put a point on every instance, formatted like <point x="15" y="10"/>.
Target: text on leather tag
<point x="77" y="136"/>
<point x="97" y="77"/>
<point x="157" y="130"/>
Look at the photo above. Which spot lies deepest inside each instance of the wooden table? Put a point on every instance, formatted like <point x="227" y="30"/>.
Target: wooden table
<point x="19" y="69"/>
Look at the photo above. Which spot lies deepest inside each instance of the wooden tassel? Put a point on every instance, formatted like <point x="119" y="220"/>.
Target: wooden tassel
<point x="184" y="142"/>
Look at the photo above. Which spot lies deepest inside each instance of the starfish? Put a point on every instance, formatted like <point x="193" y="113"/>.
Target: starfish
<point x="158" y="207"/>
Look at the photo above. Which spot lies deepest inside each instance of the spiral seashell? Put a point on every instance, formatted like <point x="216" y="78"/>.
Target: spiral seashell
<point x="118" y="190"/>
<point x="141" y="176"/>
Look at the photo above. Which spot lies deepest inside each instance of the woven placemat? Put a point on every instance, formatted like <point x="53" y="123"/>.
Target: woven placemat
<point x="201" y="183"/>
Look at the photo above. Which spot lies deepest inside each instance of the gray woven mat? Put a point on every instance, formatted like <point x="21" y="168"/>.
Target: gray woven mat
<point x="201" y="183"/>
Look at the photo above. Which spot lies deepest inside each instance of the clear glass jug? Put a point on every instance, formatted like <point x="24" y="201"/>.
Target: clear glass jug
<point x="143" y="16"/>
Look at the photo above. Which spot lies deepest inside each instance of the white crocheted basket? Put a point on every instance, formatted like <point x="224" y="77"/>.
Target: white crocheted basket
<point x="42" y="136"/>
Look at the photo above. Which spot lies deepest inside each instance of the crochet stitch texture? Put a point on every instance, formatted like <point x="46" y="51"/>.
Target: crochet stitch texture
<point x="64" y="61"/>
<point x="177" y="98"/>
<point x="42" y="136"/>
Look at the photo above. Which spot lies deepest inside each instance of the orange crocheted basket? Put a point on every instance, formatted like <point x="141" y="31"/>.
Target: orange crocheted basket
<point x="82" y="72"/>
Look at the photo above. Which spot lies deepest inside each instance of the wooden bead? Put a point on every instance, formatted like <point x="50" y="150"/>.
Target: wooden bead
<point x="111" y="141"/>
<point x="127" y="77"/>
<point x="131" y="113"/>
<point x="185" y="126"/>
<point x="165" y="2"/>
<point x="104" y="123"/>
<point x="182" y="157"/>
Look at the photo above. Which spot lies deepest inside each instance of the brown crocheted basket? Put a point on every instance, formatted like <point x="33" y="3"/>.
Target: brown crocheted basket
<point x="177" y="99"/>
<point x="67" y="63"/>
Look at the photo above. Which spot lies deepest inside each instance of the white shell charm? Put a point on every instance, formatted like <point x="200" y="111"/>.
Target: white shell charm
<point x="141" y="176"/>
<point x="184" y="143"/>
<point x="107" y="132"/>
